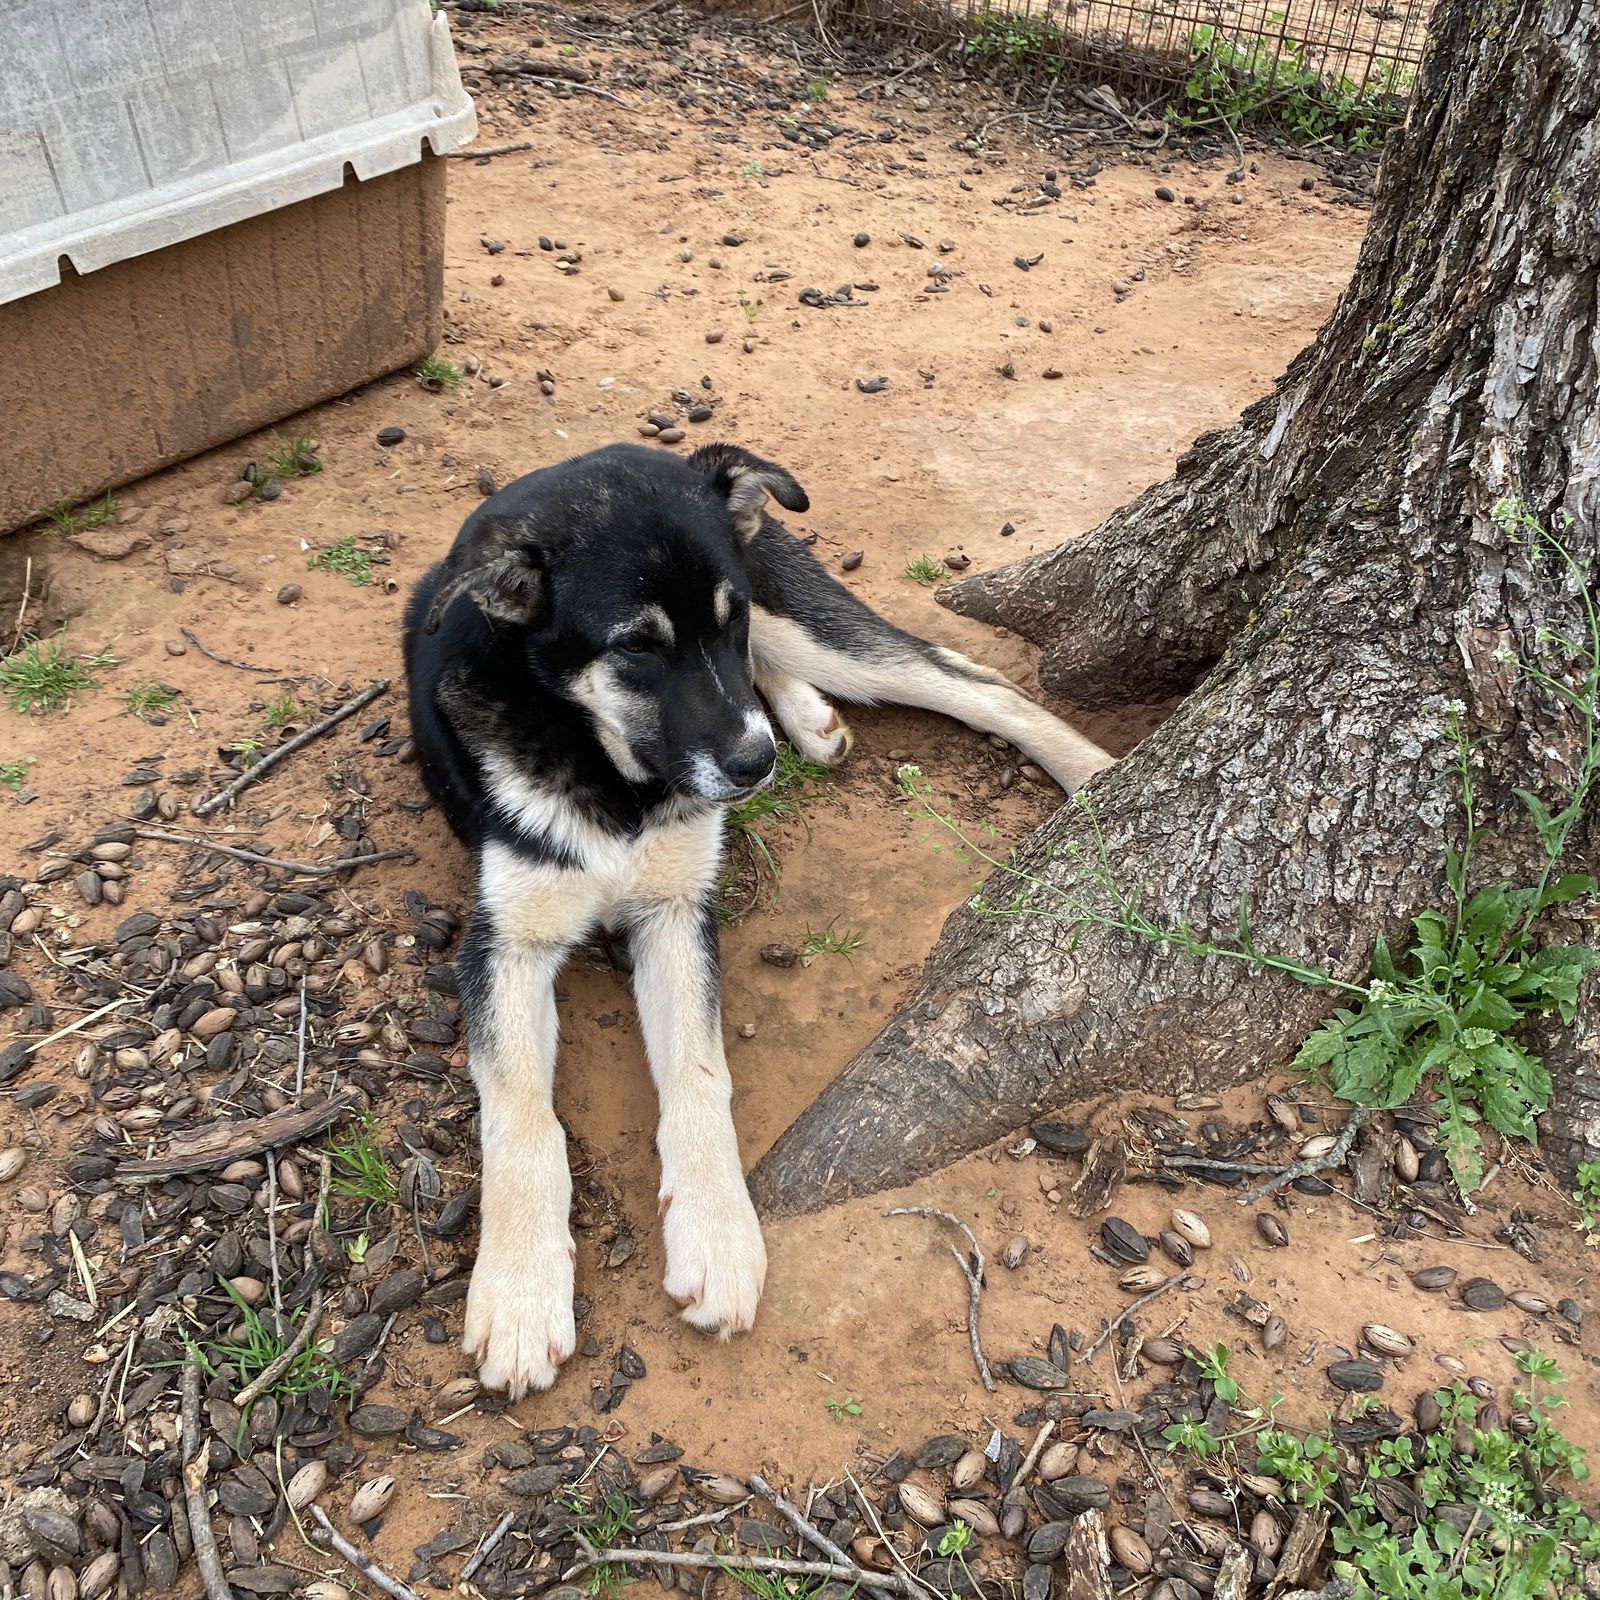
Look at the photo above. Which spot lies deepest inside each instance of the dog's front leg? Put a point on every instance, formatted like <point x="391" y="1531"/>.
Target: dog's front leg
<point x="716" y="1261"/>
<point x="519" y="1321"/>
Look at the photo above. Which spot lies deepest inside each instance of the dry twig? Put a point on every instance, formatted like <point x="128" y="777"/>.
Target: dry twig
<point x="486" y="1549"/>
<point x="488" y="150"/>
<point x="310" y="869"/>
<point x="268" y="763"/>
<point x="1127" y="1311"/>
<point x="226" y="661"/>
<point x="731" y="1563"/>
<point x="362" y="1563"/>
<point x="269" y="1375"/>
<point x="1304" y="1168"/>
<point x="796" y="1518"/>
<point x="195" y="1456"/>
<point x="973" y="1275"/>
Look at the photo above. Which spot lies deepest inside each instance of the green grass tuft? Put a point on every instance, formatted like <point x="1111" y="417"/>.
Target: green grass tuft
<point x="42" y="677"/>
<point x="68" y="518"/>
<point x="831" y="941"/>
<point x="926" y="571"/>
<point x="360" y="1168"/>
<point x="281" y="710"/>
<point x="294" y="458"/>
<point x="146" y="700"/>
<point x="435" y="373"/>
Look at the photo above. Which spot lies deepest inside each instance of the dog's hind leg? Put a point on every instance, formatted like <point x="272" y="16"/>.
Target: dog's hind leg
<point x="814" y="727"/>
<point x="868" y="661"/>
<point x="519" y="1321"/>
<point x="716" y="1261"/>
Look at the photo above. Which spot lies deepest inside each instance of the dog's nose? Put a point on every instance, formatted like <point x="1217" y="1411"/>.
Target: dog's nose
<point x="749" y="764"/>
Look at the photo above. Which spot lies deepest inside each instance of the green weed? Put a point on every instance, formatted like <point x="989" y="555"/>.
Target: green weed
<point x="146" y="700"/>
<point x="840" y="1409"/>
<point x="955" y="1539"/>
<point x="817" y="89"/>
<point x="435" y="373"/>
<point x="1490" y="1523"/>
<point x="360" y="1168"/>
<point x="1233" y="81"/>
<point x="296" y="458"/>
<point x="925" y="570"/>
<point x="830" y="941"/>
<point x="42" y="677"/>
<point x="1586" y="1197"/>
<point x="68" y="518"/>
<point x="346" y="558"/>
<point x="13" y="774"/>
<point x="753" y="169"/>
<point x="247" y="749"/>
<point x="1444" y="1017"/>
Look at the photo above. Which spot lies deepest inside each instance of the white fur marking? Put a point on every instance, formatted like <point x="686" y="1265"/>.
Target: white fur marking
<point x="900" y="676"/>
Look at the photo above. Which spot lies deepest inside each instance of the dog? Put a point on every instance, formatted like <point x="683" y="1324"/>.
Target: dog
<point x="594" y="670"/>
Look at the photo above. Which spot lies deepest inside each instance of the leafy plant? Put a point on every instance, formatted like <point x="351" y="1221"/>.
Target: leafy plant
<point x="68" y="518"/>
<point x="817" y="89"/>
<point x="13" y="774"/>
<point x="925" y="570"/>
<point x="840" y="1409"/>
<point x="753" y="169"/>
<point x="1024" y="41"/>
<point x="247" y="748"/>
<point x="955" y="1539"/>
<point x="146" y="700"/>
<point x="346" y="558"/>
<point x="42" y="677"/>
<point x="1233" y="81"/>
<point x="1490" y="1523"/>
<point x="830" y="941"/>
<point x="1586" y="1197"/>
<point x="296" y="458"/>
<point x="435" y="373"/>
<point x="1446" y="1016"/>
<point x="360" y="1168"/>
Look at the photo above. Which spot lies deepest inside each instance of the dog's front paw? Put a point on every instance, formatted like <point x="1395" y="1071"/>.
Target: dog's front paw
<point x="716" y="1260"/>
<point x="519" y="1316"/>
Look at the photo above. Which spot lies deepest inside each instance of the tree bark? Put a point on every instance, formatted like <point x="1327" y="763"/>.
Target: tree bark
<point x="1323" y="578"/>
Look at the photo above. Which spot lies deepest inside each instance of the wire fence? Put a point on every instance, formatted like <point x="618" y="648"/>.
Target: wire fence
<point x="1321" y="68"/>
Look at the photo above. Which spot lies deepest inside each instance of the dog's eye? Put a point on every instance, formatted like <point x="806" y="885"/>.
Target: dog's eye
<point x="635" y="647"/>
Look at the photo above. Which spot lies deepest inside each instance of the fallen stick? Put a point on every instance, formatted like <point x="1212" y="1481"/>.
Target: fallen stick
<point x="310" y="869"/>
<point x="461" y="155"/>
<point x="1206" y="1164"/>
<point x="363" y="1564"/>
<point x="730" y="1563"/>
<point x="225" y="661"/>
<point x="269" y="1375"/>
<point x="567" y="83"/>
<point x="1127" y="1311"/>
<point x="974" y="1277"/>
<point x="917" y="1586"/>
<point x="1304" y="1168"/>
<point x="1032" y="1457"/>
<point x="217" y="1143"/>
<point x="194" y="1490"/>
<point x="796" y="1518"/>
<point x="486" y="1549"/>
<point x="269" y="762"/>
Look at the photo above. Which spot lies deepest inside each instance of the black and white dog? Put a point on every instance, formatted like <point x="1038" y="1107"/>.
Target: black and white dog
<point x="588" y="667"/>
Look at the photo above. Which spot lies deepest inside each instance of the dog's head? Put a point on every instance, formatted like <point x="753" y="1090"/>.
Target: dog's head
<point x="623" y="571"/>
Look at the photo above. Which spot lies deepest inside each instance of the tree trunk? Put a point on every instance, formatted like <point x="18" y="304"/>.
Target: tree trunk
<point x="1321" y="579"/>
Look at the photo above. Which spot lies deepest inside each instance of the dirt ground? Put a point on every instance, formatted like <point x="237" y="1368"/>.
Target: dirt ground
<point x="1020" y="407"/>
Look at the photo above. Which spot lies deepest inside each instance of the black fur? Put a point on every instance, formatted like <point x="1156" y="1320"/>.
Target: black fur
<point x="570" y="550"/>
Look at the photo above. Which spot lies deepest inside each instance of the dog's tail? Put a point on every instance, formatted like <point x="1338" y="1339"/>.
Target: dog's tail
<point x="806" y="626"/>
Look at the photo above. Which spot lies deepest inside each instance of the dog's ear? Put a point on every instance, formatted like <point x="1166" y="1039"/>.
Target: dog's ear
<point x="503" y="571"/>
<point x="746" y="480"/>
